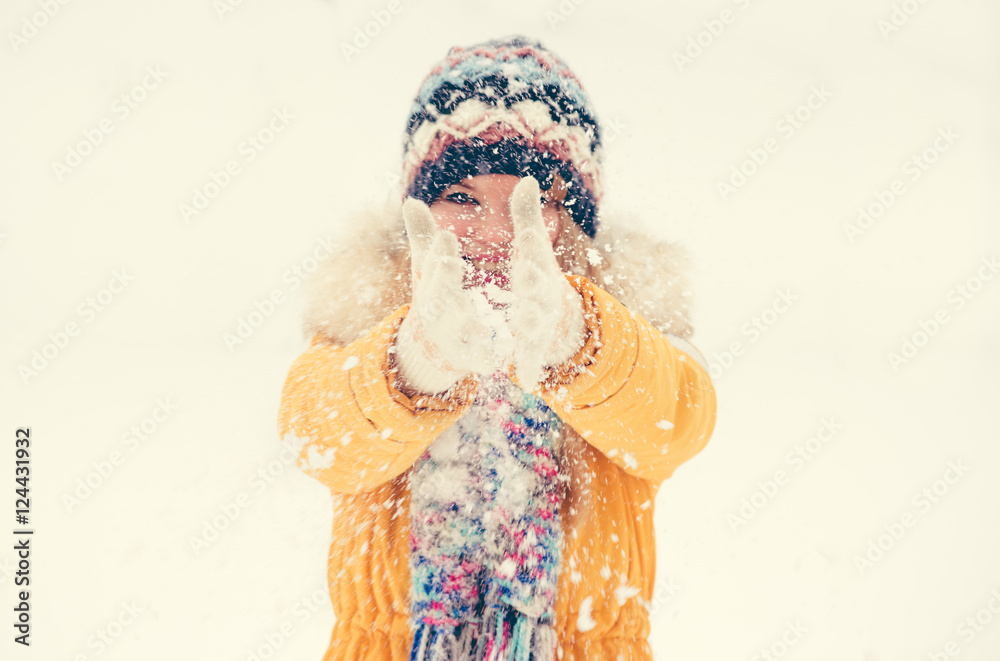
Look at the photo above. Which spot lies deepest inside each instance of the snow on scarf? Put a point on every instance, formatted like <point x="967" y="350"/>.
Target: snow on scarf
<point x="485" y="532"/>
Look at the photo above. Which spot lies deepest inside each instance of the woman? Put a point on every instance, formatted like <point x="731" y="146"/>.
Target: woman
<point x="497" y="384"/>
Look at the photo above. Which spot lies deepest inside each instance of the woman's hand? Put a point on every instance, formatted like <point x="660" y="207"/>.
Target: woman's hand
<point x="546" y="312"/>
<point x="443" y="336"/>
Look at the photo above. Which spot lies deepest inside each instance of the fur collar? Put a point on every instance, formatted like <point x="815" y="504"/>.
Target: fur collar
<point x="368" y="276"/>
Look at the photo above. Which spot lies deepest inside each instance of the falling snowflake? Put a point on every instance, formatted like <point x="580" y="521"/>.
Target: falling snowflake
<point x="585" y="622"/>
<point x="625" y="592"/>
<point x="319" y="459"/>
<point x="630" y="461"/>
<point x="665" y="425"/>
<point x="507" y="568"/>
<point x="594" y="257"/>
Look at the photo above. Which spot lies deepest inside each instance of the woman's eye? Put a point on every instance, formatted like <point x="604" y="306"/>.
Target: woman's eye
<point x="461" y="198"/>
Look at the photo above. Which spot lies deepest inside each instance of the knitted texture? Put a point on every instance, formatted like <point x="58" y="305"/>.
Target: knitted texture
<point x="504" y="107"/>
<point x="485" y="532"/>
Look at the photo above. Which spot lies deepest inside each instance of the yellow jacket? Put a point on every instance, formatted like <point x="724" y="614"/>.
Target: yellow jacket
<point x="643" y="406"/>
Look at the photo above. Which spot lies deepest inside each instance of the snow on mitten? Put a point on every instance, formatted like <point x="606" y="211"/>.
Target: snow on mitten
<point x="546" y="312"/>
<point x="442" y="338"/>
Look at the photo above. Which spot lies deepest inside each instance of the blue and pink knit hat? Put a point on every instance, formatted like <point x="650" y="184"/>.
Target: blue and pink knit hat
<point x="504" y="107"/>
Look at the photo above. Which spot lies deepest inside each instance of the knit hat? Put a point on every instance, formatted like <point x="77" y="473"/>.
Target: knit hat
<point x="504" y="107"/>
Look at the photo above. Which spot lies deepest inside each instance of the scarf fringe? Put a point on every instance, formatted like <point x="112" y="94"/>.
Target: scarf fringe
<point x="485" y="533"/>
<point x="526" y="639"/>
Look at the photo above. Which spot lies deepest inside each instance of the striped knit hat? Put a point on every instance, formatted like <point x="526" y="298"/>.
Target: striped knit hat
<point x="504" y="107"/>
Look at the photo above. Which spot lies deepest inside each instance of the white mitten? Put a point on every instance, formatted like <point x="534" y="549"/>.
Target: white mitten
<point x="443" y="336"/>
<point x="546" y="312"/>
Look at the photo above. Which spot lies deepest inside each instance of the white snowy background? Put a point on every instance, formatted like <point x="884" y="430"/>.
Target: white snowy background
<point x="119" y="562"/>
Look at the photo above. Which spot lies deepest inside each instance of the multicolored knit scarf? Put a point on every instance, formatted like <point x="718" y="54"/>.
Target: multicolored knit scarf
<point x="486" y="534"/>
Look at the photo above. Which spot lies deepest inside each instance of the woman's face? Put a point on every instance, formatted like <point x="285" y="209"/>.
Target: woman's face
<point x="477" y="211"/>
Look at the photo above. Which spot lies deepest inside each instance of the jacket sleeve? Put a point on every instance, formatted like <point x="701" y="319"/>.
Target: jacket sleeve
<point x="644" y="403"/>
<point x="347" y="422"/>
